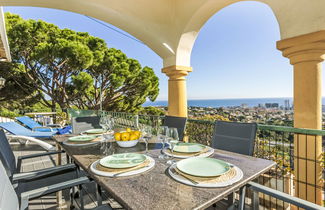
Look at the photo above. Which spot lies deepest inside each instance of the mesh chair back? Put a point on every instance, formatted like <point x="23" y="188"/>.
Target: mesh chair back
<point x="81" y="124"/>
<point x="8" y="196"/>
<point x="176" y="122"/>
<point x="7" y="157"/>
<point x="234" y="137"/>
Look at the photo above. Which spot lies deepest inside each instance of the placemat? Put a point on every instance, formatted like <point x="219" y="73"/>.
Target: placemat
<point x="168" y="151"/>
<point x="119" y="170"/>
<point x="223" y="178"/>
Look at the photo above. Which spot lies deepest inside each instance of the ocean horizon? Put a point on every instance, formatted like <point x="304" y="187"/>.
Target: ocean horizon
<point x="250" y="102"/>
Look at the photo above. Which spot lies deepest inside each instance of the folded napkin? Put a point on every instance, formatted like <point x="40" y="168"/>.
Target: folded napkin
<point x="206" y="149"/>
<point x="85" y="142"/>
<point x="223" y="178"/>
<point x="120" y="170"/>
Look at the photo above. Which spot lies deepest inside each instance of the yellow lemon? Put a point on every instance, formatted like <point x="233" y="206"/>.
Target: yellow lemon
<point x="125" y="136"/>
<point x="137" y="133"/>
<point x="128" y="130"/>
<point x="133" y="137"/>
<point x="117" y="136"/>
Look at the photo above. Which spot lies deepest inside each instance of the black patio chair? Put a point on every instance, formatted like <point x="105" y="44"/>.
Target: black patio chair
<point x="81" y="124"/>
<point x="10" y="198"/>
<point x="13" y="167"/>
<point x="176" y="122"/>
<point x="234" y="137"/>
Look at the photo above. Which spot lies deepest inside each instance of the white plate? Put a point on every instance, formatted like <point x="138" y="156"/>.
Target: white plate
<point x="205" y="154"/>
<point x="83" y="144"/>
<point x="179" y="178"/>
<point x="110" y="174"/>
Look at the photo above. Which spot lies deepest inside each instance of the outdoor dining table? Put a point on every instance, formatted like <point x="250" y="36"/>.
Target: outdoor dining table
<point x="155" y="189"/>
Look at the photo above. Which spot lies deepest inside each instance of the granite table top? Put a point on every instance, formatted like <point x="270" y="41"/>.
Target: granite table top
<point x="155" y="189"/>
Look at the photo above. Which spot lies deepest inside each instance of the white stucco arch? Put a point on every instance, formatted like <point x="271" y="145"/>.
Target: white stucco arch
<point x="170" y="27"/>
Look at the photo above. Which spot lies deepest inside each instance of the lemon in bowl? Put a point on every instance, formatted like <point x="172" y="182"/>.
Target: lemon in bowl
<point x="127" y="138"/>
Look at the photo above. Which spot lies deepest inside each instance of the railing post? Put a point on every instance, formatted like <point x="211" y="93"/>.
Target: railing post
<point x="306" y="53"/>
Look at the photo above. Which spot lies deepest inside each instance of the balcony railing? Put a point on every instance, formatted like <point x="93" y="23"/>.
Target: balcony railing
<point x="276" y="143"/>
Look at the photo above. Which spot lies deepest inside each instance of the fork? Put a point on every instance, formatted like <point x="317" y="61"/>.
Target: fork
<point x="176" y="172"/>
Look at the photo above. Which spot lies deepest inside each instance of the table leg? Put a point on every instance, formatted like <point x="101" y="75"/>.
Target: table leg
<point x="242" y="192"/>
<point x="59" y="200"/>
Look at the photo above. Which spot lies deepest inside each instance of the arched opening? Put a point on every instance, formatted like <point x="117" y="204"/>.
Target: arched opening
<point x="235" y="56"/>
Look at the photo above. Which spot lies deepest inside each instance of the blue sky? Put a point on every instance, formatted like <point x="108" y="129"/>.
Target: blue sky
<point x="234" y="56"/>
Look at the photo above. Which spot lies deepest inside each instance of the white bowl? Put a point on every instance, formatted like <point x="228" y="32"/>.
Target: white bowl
<point x="131" y="143"/>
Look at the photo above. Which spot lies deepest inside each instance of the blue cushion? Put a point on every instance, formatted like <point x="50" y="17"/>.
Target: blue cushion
<point x="67" y="129"/>
<point x="29" y="122"/>
<point x="17" y="129"/>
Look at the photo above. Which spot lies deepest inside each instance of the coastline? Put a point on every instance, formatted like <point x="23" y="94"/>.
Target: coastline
<point x="215" y="103"/>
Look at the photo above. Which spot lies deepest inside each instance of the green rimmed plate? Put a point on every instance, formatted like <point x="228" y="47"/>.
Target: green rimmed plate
<point x="188" y="147"/>
<point x="126" y="160"/>
<point x="82" y="138"/>
<point x="203" y="167"/>
<point x="95" y="131"/>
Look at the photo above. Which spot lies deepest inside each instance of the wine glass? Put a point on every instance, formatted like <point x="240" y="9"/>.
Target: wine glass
<point x="103" y="123"/>
<point x="110" y="123"/>
<point x="146" y="135"/>
<point x="172" y="139"/>
<point x="162" y="136"/>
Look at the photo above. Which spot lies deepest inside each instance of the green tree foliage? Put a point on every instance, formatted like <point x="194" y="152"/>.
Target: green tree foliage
<point x="76" y="69"/>
<point x="150" y="110"/>
<point x="16" y="79"/>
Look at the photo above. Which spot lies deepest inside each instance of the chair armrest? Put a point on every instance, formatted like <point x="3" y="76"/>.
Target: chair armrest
<point x="285" y="197"/>
<point x="25" y="176"/>
<point x="23" y="157"/>
<point x="40" y="154"/>
<point x="43" y="127"/>
<point x="25" y="196"/>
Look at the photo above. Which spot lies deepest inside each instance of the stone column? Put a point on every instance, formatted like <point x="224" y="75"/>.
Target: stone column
<point x="177" y="97"/>
<point x="306" y="54"/>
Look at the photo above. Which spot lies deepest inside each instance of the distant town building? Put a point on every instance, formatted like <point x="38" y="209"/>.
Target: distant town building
<point x="271" y="105"/>
<point x="244" y="105"/>
<point x="287" y="104"/>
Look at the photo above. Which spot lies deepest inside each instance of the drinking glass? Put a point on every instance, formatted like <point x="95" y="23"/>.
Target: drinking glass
<point x="173" y="138"/>
<point x="162" y="137"/>
<point x="146" y="135"/>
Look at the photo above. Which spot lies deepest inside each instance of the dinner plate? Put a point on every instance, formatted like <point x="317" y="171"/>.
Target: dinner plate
<point x="188" y="147"/>
<point x="95" y="131"/>
<point x="203" y="167"/>
<point x="140" y="170"/>
<point x="82" y="138"/>
<point x="125" y="160"/>
<point x="225" y="183"/>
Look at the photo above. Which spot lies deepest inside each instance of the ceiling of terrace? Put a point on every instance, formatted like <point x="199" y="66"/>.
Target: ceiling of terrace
<point x="170" y="27"/>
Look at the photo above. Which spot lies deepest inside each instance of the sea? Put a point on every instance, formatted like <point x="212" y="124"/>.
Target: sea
<point x="250" y="102"/>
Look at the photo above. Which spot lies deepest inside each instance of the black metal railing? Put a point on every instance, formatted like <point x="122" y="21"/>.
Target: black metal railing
<point x="299" y="154"/>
